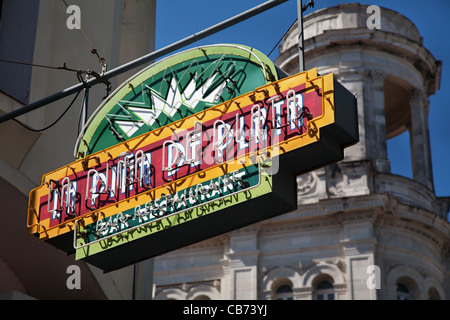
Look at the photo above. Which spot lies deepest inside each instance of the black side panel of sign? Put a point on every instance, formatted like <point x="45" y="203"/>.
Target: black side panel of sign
<point x="281" y="200"/>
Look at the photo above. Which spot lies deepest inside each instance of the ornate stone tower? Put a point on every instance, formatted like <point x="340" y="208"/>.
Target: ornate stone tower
<point x="392" y="75"/>
<point x="388" y="69"/>
<point x="355" y="217"/>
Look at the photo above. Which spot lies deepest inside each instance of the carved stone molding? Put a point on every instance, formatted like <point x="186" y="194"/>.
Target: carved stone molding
<point x="306" y="183"/>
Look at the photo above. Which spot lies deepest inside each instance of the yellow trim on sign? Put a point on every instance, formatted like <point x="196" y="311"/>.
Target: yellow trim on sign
<point x="143" y="198"/>
<point x="325" y="83"/>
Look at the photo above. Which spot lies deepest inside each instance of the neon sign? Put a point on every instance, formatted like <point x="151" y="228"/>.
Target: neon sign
<point x="172" y="89"/>
<point x="169" y="204"/>
<point x="227" y="132"/>
<point x="156" y="149"/>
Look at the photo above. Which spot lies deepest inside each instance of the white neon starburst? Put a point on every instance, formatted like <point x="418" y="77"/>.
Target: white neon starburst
<point x="148" y="111"/>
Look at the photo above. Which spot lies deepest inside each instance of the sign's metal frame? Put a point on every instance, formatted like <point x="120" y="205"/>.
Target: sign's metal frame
<point x="325" y="137"/>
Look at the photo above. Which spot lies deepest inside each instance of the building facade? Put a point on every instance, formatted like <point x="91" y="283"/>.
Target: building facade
<point x="45" y="33"/>
<point x="360" y="231"/>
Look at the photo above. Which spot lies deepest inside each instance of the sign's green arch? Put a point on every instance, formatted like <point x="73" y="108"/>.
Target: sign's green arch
<point x="173" y="88"/>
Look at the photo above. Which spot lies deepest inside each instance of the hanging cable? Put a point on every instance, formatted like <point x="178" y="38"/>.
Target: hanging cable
<point x="51" y="125"/>
<point x="82" y="30"/>
<point x="64" y="66"/>
<point x="82" y="118"/>
<point x="83" y="112"/>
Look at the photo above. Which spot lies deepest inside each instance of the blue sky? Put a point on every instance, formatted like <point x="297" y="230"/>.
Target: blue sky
<point x="177" y="19"/>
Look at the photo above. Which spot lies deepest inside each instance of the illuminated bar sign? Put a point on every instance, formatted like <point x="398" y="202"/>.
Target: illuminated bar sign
<point x="210" y="131"/>
<point x="138" y="233"/>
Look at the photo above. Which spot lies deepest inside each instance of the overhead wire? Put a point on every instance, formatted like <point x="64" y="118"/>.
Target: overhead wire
<point x="93" y="49"/>
<point x="102" y="60"/>
<point x="281" y="38"/>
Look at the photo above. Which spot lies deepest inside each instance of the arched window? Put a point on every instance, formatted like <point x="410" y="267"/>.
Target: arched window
<point x="284" y="292"/>
<point x="403" y="292"/>
<point x="433" y="294"/>
<point x="325" y="290"/>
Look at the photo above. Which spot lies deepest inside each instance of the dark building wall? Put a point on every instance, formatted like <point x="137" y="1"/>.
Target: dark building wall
<point x="17" y="37"/>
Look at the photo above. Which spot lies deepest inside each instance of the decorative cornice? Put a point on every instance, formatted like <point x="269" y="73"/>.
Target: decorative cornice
<point x="186" y="286"/>
<point x="396" y="45"/>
